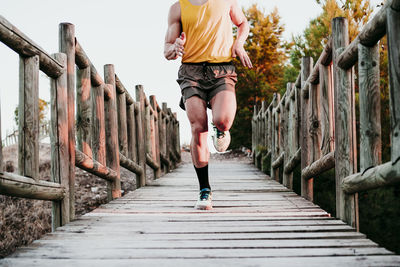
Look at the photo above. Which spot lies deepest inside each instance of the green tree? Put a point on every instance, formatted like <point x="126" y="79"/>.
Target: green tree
<point x="267" y="51"/>
<point x="316" y="35"/>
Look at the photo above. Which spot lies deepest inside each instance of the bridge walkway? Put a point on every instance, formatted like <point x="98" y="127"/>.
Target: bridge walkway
<point x="255" y="221"/>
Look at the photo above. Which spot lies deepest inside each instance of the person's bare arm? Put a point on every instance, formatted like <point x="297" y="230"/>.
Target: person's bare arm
<point x="239" y="19"/>
<point x="174" y="39"/>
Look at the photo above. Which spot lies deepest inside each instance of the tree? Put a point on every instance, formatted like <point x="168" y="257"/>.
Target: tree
<point x="267" y="51"/>
<point x="316" y="35"/>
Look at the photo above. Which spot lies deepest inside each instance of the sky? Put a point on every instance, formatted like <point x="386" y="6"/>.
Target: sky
<point x="128" y="34"/>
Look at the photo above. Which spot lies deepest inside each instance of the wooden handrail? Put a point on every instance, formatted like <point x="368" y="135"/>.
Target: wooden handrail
<point x="113" y="130"/>
<point x="319" y="110"/>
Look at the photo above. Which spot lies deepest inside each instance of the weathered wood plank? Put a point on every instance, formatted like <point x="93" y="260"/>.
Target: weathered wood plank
<point x="370" y="107"/>
<point x="28" y="117"/>
<point x="67" y="46"/>
<point x="382" y="175"/>
<point x="345" y="160"/>
<point x="275" y="135"/>
<point x="111" y="118"/>
<point x="320" y="166"/>
<point x="306" y="184"/>
<point x="393" y="35"/>
<point x="89" y="164"/>
<point x="84" y="111"/>
<point x="156" y="134"/>
<point x="83" y="61"/>
<point x="19" y="186"/>
<point x="140" y="179"/>
<point x="59" y="143"/>
<point x="326" y="111"/>
<point x="314" y="124"/>
<point x="131" y="125"/>
<point x="25" y="47"/>
<point x="369" y="36"/>
<point x="122" y="124"/>
<point x="130" y="165"/>
<point x="385" y="260"/>
<point x="98" y="124"/>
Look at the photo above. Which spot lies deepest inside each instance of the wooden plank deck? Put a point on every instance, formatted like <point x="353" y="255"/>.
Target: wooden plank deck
<point x="255" y="222"/>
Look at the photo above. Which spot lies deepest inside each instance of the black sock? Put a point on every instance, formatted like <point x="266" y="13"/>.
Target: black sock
<point x="202" y="175"/>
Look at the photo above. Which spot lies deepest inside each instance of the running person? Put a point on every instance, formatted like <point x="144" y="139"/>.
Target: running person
<point x="200" y="31"/>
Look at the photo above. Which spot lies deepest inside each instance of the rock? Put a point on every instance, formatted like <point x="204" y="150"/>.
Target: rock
<point x="94" y="189"/>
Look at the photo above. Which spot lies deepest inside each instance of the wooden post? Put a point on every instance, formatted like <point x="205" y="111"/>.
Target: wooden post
<point x="306" y="184"/>
<point x="59" y="143"/>
<point x="111" y="119"/>
<point x="265" y="125"/>
<point x="98" y="125"/>
<point x="163" y="136"/>
<point x="314" y="123"/>
<point x="122" y="124"/>
<point x="167" y="133"/>
<point x="156" y="151"/>
<point x="345" y="160"/>
<point x="28" y="138"/>
<point x="131" y="127"/>
<point x="370" y="107"/>
<point x="275" y="136"/>
<point x="84" y="111"/>
<point x="393" y="35"/>
<point x="67" y="46"/>
<point x="325" y="112"/>
<point x="141" y="133"/>
<point x="254" y="134"/>
<point x="289" y="129"/>
<point x="178" y="140"/>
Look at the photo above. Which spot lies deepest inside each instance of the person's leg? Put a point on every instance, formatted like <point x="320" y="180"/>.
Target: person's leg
<point x="196" y="111"/>
<point x="223" y="106"/>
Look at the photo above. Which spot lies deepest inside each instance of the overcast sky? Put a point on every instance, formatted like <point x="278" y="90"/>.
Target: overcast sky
<point x="128" y="34"/>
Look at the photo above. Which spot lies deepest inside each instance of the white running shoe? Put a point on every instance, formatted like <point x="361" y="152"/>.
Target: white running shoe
<point x="221" y="140"/>
<point x="204" y="201"/>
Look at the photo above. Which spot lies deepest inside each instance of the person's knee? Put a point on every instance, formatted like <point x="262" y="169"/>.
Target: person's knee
<point x="199" y="128"/>
<point x="223" y="123"/>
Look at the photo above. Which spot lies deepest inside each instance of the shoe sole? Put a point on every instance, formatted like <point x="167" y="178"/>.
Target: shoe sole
<point x="203" y="207"/>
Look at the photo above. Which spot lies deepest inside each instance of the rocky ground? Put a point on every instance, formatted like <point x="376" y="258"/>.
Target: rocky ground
<point x="25" y="220"/>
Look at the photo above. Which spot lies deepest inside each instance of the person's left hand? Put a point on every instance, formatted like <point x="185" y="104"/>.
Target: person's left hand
<point x="238" y="51"/>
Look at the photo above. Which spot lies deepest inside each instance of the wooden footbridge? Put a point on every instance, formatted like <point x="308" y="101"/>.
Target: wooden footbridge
<point x="256" y="219"/>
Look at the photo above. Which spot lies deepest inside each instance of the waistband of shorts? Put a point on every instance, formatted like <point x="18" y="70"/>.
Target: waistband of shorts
<point x="208" y="63"/>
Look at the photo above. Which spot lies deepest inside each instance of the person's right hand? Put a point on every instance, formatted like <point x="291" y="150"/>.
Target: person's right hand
<point x="179" y="45"/>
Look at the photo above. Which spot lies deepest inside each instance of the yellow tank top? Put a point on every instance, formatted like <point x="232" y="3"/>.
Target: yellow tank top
<point x="208" y="30"/>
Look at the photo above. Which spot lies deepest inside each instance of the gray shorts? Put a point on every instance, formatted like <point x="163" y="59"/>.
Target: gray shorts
<point x="205" y="80"/>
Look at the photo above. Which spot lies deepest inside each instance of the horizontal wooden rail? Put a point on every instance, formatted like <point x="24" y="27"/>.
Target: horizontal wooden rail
<point x="370" y="34"/>
<point x="20" y="43"/>
<point x="314" y="123"/>
<point x="20" y="186"/>
<point x="293" y="162"/>
<point x="320" y="166"/>
<point x="122" y="90"/>
<point x="83" y="61"/>
<point x="151" y="162"/>
<point x="385" y="174"/>
<point x="88" y="164"/>
<point x="279" y="161"/>
<point x="130" y="165"/>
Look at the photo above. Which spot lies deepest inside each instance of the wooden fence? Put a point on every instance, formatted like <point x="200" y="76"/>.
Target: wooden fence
<point x="12" y="138"/>
<point x="112" y="129"/>
<point x="314" y="123"/>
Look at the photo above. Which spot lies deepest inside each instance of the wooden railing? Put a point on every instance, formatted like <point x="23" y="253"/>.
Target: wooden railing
<point x="313" y="123"/>
<point x="112" y="129"/>
<point x="12" y="138"/>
